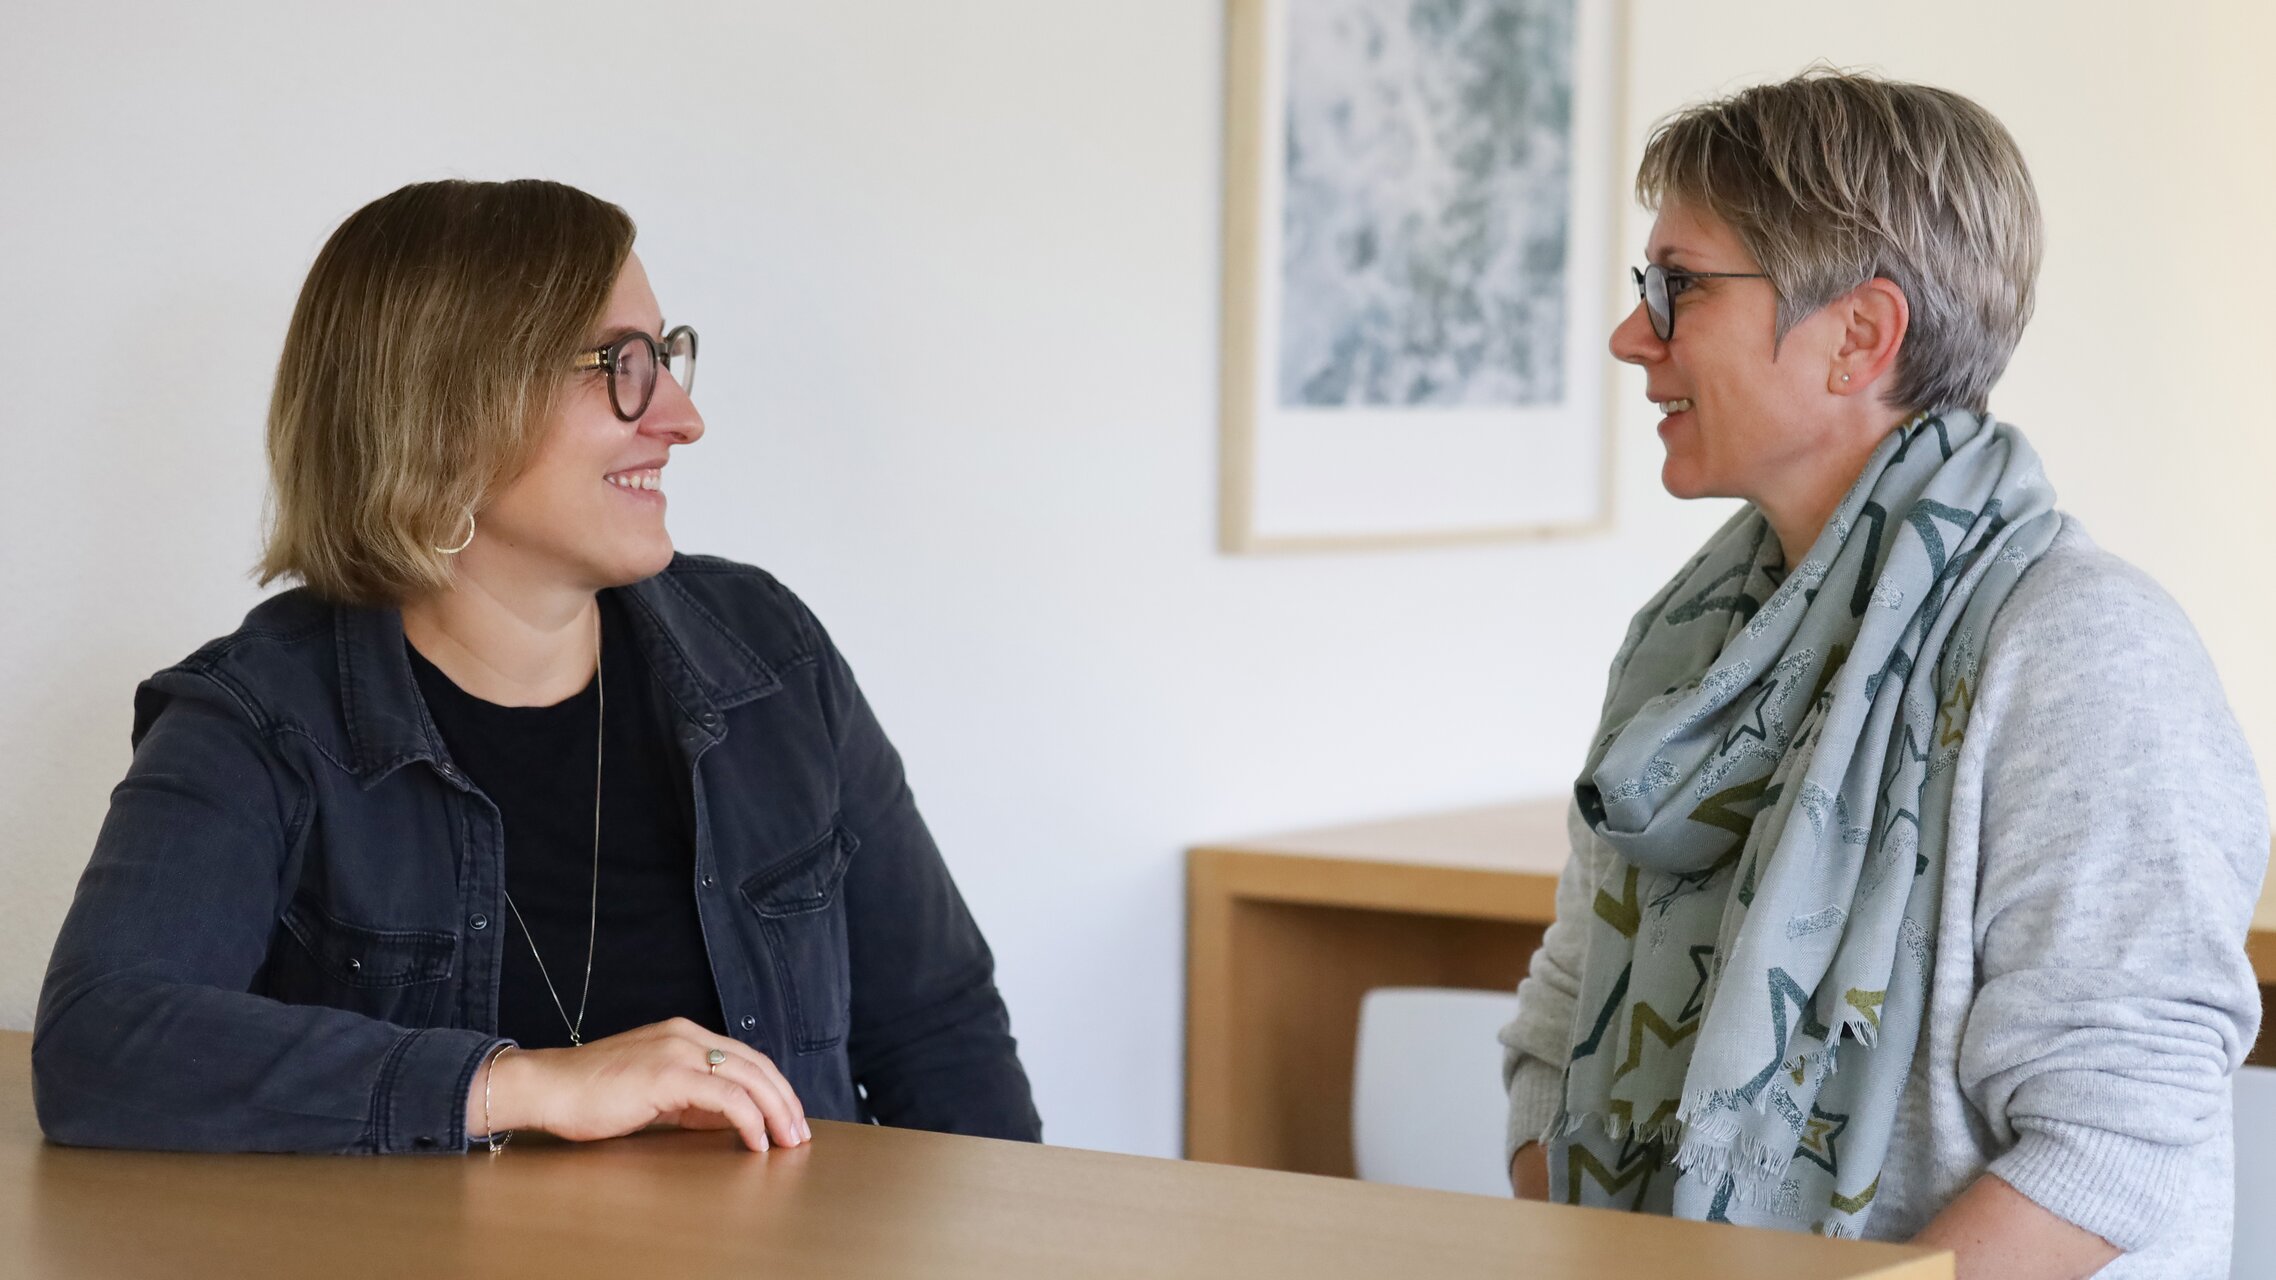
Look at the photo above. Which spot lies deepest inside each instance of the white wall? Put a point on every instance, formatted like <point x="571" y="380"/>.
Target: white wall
<point x="955" y="266"/>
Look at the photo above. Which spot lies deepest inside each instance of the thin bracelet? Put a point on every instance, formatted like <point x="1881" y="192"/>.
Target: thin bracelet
<point x="496" y="1139"/>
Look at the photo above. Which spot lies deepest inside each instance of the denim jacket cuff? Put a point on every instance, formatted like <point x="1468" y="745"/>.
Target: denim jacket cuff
<point x="419" y="1101"/>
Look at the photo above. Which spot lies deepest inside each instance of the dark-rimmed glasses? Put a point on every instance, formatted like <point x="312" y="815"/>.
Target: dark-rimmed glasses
<point x="631" y="362"/>
<point x="1657" y="286"/>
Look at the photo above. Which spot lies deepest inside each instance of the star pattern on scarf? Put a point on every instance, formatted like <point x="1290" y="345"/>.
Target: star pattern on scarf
<point x="1819" y="1135"/>
<point x="1952" y="713"/>
<point x="1761" y="727"/>
<point x="1706" y="602"/>
<point x="1642" y="1017"/>
<point x="1702" y="956"/>
<point x="1910" y="754"/>
<point x="1633" y="1165"/>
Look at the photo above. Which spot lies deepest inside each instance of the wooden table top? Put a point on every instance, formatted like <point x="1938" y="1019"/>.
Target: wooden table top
<point x="1499" y="861"/>
<point x="859" y="1201"/>
<point x="1526" y="837"/>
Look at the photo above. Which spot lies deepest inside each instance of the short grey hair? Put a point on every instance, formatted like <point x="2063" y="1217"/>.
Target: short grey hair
<point x="1833" y="178"/>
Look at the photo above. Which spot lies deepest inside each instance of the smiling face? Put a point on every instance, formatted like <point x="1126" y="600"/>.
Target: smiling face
<point x="588" y="512"/>
<point x="1745" y="416"/>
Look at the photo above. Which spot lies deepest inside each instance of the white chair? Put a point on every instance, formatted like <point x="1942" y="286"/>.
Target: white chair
<point x="2255" y="1257"/>
<point x="1427" y="1107"/>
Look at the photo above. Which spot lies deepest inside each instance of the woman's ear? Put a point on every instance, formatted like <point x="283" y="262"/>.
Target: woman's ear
<point x="1875" y="317"/>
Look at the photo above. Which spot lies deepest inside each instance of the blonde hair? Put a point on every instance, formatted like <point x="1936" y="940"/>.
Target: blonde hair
<point x="422" y="361"/>
<point x="1834" y="178"/>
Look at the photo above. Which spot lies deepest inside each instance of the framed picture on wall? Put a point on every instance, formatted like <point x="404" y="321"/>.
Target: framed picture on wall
<point x="1419" y="271"/>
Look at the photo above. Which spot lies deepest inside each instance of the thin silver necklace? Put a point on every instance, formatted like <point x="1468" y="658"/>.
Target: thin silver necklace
<point x="593" y="918"/>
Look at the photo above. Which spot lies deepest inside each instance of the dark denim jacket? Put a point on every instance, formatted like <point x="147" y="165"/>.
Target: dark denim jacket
<point x="289" y="937"/>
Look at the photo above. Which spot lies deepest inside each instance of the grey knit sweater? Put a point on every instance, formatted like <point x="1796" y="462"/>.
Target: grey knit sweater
<point x="2091" y="995"/>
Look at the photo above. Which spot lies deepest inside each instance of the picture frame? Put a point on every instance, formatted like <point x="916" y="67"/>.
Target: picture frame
<point x="1420" y="271"/>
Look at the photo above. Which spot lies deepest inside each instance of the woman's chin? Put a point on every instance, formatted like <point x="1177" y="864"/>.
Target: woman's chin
<point x="656" y="559"/>
<point x="637" y="563"/>
<point x="1681" y="479"/>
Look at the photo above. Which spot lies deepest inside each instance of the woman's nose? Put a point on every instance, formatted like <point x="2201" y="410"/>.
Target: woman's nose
<point x="1633" y="341"/>
<point x="671" y="413"/>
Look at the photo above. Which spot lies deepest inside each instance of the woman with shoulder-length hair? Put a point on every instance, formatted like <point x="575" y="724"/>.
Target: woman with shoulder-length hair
<point x="1914" y="853"/>
<point x="508" y="817"/>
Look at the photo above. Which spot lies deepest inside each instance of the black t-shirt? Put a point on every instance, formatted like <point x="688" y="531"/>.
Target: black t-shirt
<point x="536" y="765"/>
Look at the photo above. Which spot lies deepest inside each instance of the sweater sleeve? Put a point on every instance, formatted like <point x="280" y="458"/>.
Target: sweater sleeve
<point x="1536" y="1044"/>
<point x="2123" y="838"/>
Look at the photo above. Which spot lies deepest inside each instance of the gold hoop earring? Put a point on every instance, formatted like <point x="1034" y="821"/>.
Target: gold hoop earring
<point x="463" y="543"/>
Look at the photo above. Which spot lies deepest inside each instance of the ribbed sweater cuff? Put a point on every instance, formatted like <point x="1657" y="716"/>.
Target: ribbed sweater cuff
<point x="1536" y="1095"/>
<point x="2122" y="1189"/>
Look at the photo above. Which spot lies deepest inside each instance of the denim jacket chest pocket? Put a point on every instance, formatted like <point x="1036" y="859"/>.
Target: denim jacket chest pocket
<point x="391" y="974"/>
<point x="803" y="919"/>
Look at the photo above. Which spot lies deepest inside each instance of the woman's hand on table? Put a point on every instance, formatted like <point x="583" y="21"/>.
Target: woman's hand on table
<point x="657" y="1074"/>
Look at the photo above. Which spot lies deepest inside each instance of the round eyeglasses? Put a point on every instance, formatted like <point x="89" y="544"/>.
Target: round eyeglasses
<point x="1656" y="287"/>
<point x="631" y="363"/>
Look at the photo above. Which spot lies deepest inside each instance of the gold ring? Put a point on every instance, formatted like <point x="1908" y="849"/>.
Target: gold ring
<point x="715" y="1057"/>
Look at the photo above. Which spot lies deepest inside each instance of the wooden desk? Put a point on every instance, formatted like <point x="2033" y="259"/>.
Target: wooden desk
<point x="1285" y="934"/>
<point x="859" y="1201"/>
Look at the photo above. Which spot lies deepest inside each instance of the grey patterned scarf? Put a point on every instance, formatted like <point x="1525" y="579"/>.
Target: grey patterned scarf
<point x="1773" y="768"/>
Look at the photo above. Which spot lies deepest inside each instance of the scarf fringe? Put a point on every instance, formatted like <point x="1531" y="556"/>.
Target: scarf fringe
<point x="1709" y="1133"/>
<point x="1568" y="1123"/>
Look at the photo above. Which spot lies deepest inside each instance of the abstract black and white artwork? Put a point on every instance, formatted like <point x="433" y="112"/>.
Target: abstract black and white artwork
<point x="1418" y="263"/>
<point x="1425" y="202"/>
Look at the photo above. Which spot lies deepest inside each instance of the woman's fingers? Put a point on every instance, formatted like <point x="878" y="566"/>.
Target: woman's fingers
<point x="765" y="1067"/>
<point x="771" y="1093"/>
<point x="736" y="1103"/>
<point x="793" y="1128"/>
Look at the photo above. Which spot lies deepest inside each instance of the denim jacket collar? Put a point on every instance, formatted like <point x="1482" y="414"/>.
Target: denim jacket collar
<point x="701" y="664"/>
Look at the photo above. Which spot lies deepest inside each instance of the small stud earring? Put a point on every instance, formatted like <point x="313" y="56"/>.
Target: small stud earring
<point x="1845" y="377"/>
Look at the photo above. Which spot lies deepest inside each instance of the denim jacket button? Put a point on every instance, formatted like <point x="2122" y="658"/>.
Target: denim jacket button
<point x="480" y="921"/>
<point x="355" y="965"/>
<point x="706" y="879"/>
<point x="708" y="719"/>
<point x="749" y="1021"/>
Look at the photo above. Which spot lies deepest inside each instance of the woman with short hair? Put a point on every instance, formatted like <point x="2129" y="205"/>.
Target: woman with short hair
<point x="509" y="816"/>
<point x="1915" y="851"/>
